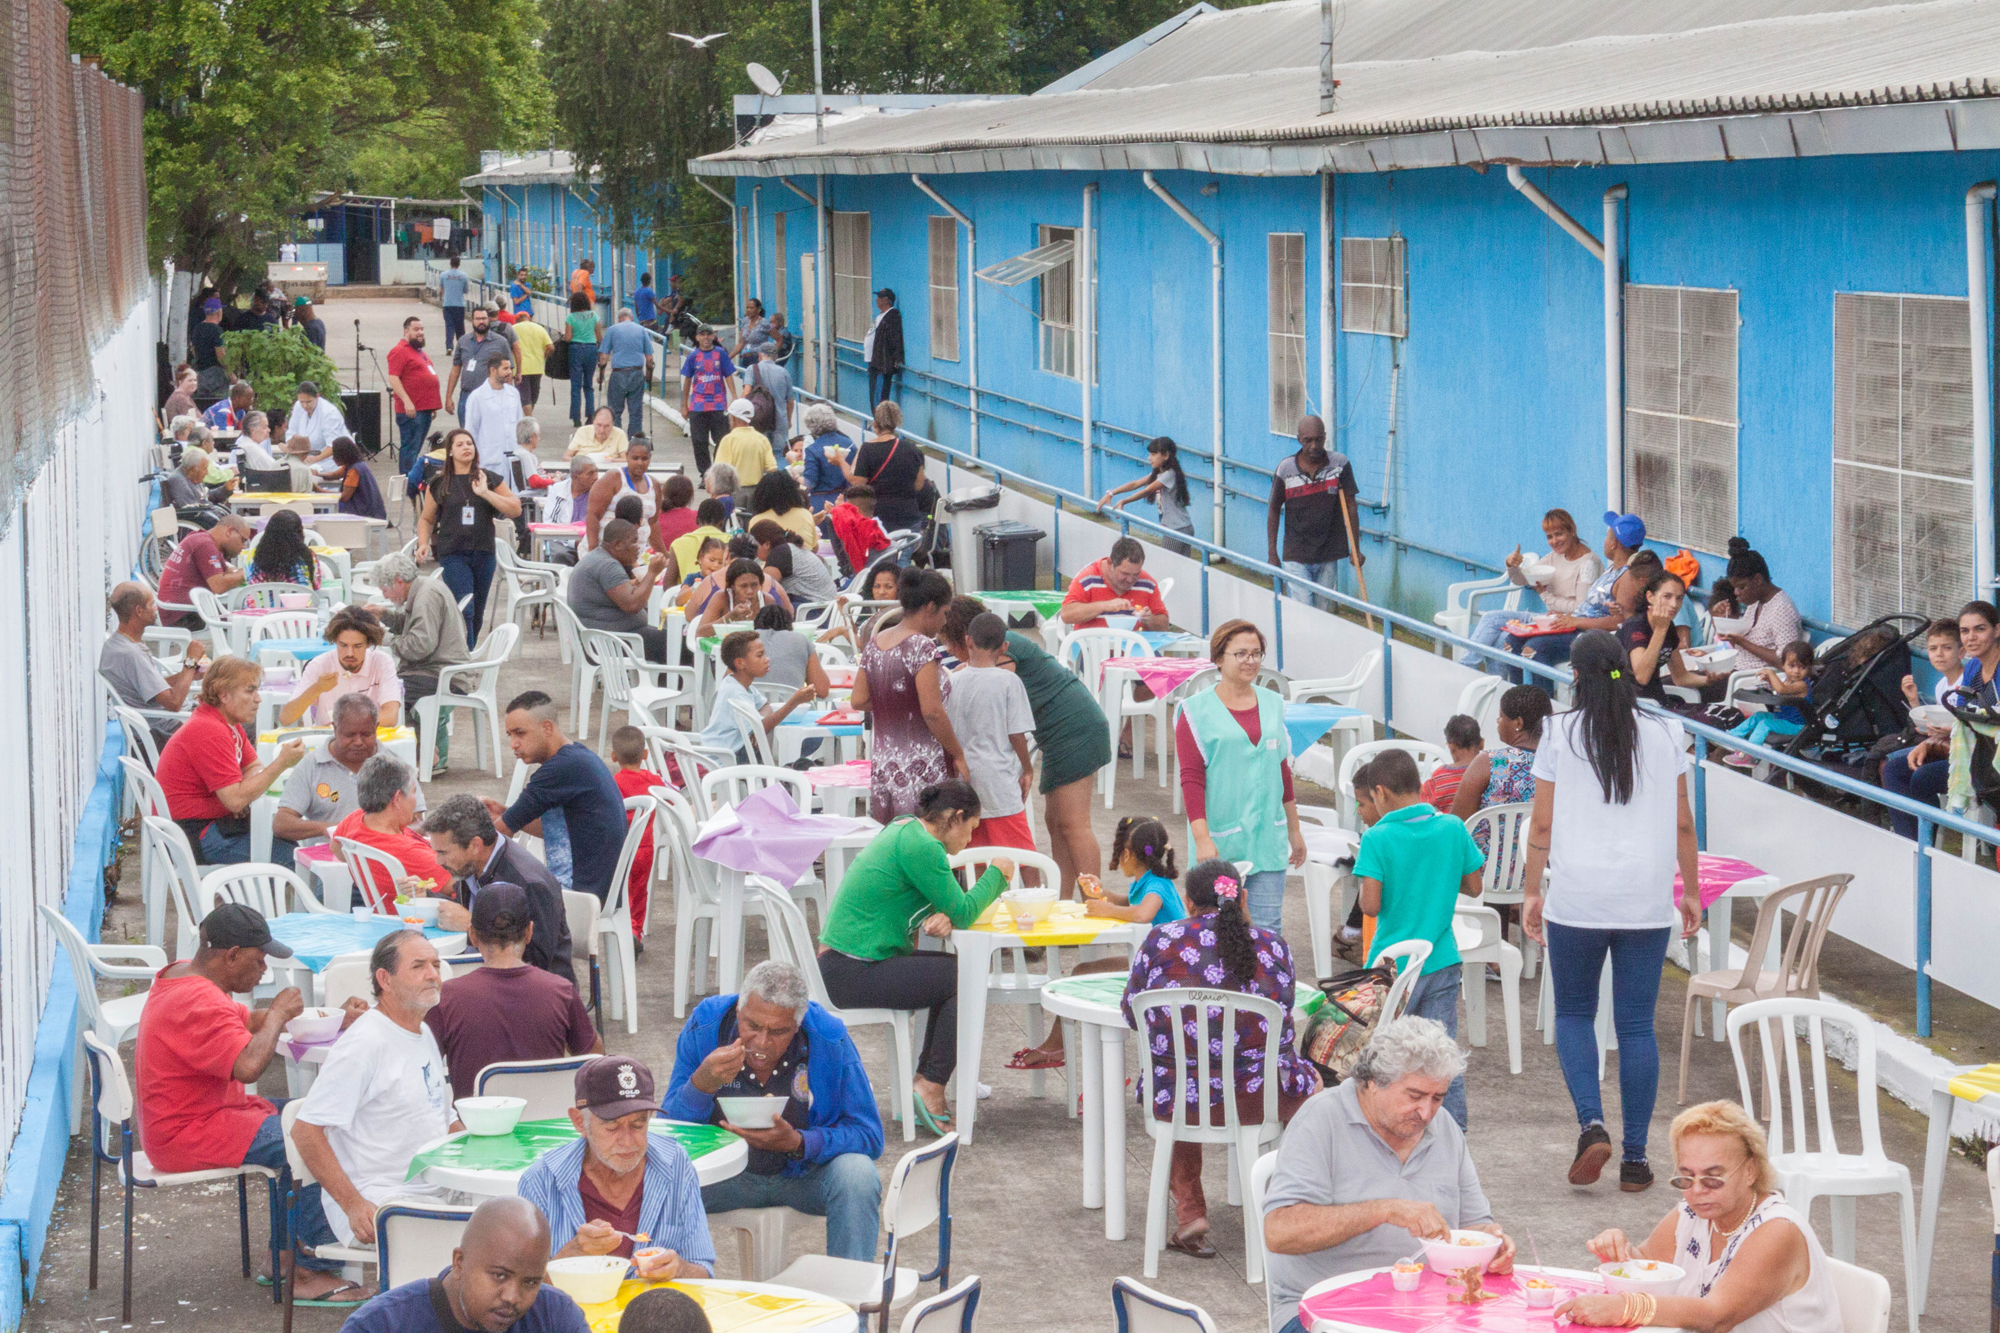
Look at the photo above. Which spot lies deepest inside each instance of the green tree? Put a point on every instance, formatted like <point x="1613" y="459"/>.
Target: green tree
<point x="253" y="106"/>
<point x="1054" y="37"/>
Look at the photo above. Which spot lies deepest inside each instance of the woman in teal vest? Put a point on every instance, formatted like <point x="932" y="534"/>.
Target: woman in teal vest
<point x="1232" y="743"/>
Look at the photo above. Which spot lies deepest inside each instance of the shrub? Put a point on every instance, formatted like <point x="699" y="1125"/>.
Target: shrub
<point x="274" y="361"/>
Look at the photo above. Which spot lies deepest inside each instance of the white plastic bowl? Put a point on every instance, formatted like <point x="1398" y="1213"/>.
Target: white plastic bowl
<point x="491" y="1115"/>
<point x="1461" y="1250"/>
<point x="1122" y="621"/>
<point x="753" y="1112"/>
<point x="1639" y="1275"/>
<point x="588" y="1279"/>
<point x="1030" y="904"/>
<point x="1540" y="573"/>
<point x="315" y="1024"/>
<point x="426" y="909"/>
<point x="1931" y="715"/>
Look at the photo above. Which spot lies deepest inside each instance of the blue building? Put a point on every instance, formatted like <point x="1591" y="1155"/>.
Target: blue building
<point x="1709" y="262"/>
<point x="537" y="216"/>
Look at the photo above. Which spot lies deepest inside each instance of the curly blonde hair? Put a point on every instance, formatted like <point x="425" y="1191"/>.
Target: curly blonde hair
<point x="1727" y="1120"/>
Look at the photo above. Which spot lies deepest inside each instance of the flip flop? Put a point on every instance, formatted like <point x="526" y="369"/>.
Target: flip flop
<point x="327" y="1302"/>
<point x="930" y="1120"/>
<point x="1031" y="1058"/>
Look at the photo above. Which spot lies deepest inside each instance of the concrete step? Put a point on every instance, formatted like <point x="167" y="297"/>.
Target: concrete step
<point x="370" y="292"/>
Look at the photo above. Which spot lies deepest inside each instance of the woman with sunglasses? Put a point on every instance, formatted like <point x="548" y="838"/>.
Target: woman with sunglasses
<point x="1750" y="1260"/>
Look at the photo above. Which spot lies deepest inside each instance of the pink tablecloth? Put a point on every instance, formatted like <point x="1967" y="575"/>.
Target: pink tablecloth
<point x="854" y="773"/>
<point x="1163" y="675"/>
<point x="767" y="834"/>
<point x="1375" y="1303"/>
<point x="1719" y="874"/>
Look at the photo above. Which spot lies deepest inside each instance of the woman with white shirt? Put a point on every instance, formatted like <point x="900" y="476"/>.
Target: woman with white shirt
<point x="1571" y="568"/>
<point x="1611" y="824"/>
<point x="255" y="443"/>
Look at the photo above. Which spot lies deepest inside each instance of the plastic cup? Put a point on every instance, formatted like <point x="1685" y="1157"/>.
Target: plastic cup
<point x="1405" y="1279"/>
<point x="362" y="914"/>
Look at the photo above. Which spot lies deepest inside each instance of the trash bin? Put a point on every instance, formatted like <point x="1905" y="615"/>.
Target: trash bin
<point x="1007" y="556"/>
<point x="964" y="508"/>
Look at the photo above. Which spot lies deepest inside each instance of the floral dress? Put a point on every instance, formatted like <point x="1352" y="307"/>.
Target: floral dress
<point x="907" y="757"/>
<point x="1511" y="781"/>
<point x="1188" y="953"/>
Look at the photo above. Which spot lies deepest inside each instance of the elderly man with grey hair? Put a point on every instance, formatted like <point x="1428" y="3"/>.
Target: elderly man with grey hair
<point x="426" y="633"/>
<point x="1369" y="1168"/>
<point x="823" y="480"/>
<point x="386" y="791"/>
<point x="818" y="1155"/>
<point x="185" y="488"/>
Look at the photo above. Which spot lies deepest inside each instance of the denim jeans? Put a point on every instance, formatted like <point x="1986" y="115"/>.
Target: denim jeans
<point x="846" y="1191"/>
<point x="1576" y="962"/>
<point x="454" y="326"/>
<point x="1325" y="572"/>
<point x="226" y="849"/>
<point x="268" y="1150"/>
<point x="1264" y="896"/>
<point x="410" y="432"/>
<point x="1550" y="648"/>
<point x="1925" y="784"/>
<point x="1490" y="630"/>
<point x="1435" y="996"/>
<point x="469" y="572"/>
<point x="625" y="395"/>
<point x="582" y="382"/>
<point x="882" y="385"/>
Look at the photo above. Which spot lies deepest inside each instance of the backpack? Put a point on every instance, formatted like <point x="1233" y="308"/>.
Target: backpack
<point x="1339" y="1028"/>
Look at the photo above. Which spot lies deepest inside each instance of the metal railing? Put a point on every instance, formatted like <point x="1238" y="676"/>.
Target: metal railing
<point x="1930" y="819"/>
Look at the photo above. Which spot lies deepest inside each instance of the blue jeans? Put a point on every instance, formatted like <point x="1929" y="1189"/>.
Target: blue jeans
<point x="268" y="1150"/>
<point x="1576" y="962"/>
<point x="1293" y="1326"/>
<point x="225" y="849"/>
<point x="846" y="1191"/>
<point x="454" y="326"/>
<point x="1325" y="572"/>
<point x="469" y="572"/>
<point x="582" y="382"/>
<point x="1550" y="648"/>
<point x="1925" y="784"/>
<point x="1435" y="996"/>
<point x="1264" y="896"/>
<point x="882" y="385"/>
<point x="410" y="432"/>
<point x="1491" y="630"/>
<point x="625" y="395"/>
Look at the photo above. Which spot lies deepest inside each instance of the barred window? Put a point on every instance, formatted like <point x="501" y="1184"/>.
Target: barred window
<point x="1058" y="308"/>
<point x="1680" y="413"/>
<point x="944" y="288"/>
<point x="853" y="288"/>
<point x="1372" y="298"/>
<point x="1285" y="257"/>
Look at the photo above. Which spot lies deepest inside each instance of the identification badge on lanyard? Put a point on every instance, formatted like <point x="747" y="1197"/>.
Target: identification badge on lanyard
<point x="465" y="516"/>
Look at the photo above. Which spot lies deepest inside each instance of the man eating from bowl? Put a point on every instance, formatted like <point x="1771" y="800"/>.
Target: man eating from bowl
<point x="199" y="1047"/>
<point x="621" y="1189"/>
<point x="1369" y="1170"/>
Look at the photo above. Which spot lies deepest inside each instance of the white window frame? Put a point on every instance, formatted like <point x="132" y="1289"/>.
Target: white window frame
<point x="1285" y="328"/>
<point x="1888" y="468"/>
<point x="944" y="294"/>
<point x="778" y="268"/>
<point x="853" y="277"/>
<point x="1373" y="286"/>
<point x="1681" y="406"/>
<point x="1055" y="308"/>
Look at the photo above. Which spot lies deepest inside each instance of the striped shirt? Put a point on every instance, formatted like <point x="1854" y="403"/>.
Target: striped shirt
<point x="1090" y="585"/>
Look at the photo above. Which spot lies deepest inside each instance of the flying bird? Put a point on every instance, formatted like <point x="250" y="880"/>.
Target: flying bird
<point x="699" y="43"/>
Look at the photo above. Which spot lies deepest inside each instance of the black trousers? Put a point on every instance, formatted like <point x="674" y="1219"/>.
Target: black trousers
<point x="704" y="430"/>
<point x="927" y="981"/>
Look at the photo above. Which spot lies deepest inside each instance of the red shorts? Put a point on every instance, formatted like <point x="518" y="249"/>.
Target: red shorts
<point x="1005" y="831"/>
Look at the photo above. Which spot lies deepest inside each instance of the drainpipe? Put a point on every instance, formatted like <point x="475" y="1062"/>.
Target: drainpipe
<point x="1614" y="357"/>
<point x="822" y="313"/>
<point x="1979" y="287"/>
<point x="971" y="309"/>
<point x="1554" y="210"/>
<point x="757" y="242"/>
<point x="1215" y="337"/>
<point x="735" y="256"/>
<point x="1086" y="331"/>
<point x="1326" y="301"/>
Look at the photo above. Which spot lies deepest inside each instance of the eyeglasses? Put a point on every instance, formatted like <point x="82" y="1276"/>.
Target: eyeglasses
<point x="1706" y="1182"/>
<point x="1249" y="655"/>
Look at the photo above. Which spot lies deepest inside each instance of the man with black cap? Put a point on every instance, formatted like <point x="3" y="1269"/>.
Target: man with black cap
<point x="497" y="1282"/>
<point x="198" y="1047"/>
<point x="506" y="1010"/>
<point x="619" y="1180"/>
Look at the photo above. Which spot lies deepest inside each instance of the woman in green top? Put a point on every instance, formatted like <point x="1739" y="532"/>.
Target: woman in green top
<point x="1070" y="728"/>
<point x="902" y="883"/>
<point x="582" y="359"/>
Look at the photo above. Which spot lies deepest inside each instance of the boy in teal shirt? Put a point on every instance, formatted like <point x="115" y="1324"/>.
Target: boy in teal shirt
<point x="1414" y="865"/>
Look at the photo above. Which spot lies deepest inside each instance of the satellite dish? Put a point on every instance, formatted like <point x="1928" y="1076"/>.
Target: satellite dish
<point x="767" y="82"/>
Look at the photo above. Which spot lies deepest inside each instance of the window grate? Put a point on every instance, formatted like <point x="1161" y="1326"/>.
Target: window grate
<point x="1680" y="413"/>
<point x="1285" y="259"/>
<point x="853" y="289"/>
<point x="1902" y="455"/>
<point x="944" y="289"/>
<point x="1372" y="298"/>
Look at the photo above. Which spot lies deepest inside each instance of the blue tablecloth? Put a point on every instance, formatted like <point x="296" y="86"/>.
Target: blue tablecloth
<point x="1306" y="723"/>
<point x="318" y="938"/>
<point x="801" y="718"/>
<point x="1162" y="639"/>
<point x="305" y="650"/>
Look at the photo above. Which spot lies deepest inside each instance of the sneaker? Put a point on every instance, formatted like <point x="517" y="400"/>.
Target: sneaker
<point x="1349" y="935"/>
<point x="1593" y="1150"/>
<point x="1737" y="759"/>
<point x="1635" y="1176"/>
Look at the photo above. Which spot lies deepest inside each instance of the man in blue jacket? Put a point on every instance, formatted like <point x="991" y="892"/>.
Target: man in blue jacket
<point x="819" y="1154"/>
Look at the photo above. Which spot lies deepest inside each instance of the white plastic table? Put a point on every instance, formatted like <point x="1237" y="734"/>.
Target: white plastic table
<point x="720" y="1164"/>
<point x="729" y="931"/>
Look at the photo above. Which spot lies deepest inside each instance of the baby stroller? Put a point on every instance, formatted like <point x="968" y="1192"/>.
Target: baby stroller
<point x="1857" y="696"/>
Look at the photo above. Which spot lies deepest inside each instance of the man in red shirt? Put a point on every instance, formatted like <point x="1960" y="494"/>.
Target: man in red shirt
<point x="1116" y="585"/>
<point x="204" y="560"/>
<point x="209" y="770"/>
<point x="414" y="382"/>
<point x="386" y="791"/>
<point x="197" y="1048"/>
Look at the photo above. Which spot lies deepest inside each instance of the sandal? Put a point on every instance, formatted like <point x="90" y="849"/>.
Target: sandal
<point x="1196" y="1245"/>
<point x="332" y="1301"/>
<point x="939" y="1125"/>
<point x="1034" y="1057"/>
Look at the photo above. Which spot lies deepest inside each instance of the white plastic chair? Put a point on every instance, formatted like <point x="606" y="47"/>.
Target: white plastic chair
<point x="725" y="787"/>
<point x="1216" y="1011"/>
<point x="215" y="617"/>
<point x="919" y="1196"/>
<point x="1140" y="1309"/>
<point x="614" y="922"/>
<point x="115" y="1021"/>
<point x="415" y="1241"/>
<point x="263" y="596"/>
<point x="282" y="625"/>
<point x="1084" y="653"/>
<point x="1480" y="701"/>
<point x="1503" y="878"/>
<point x="173" y="873"/>
<point x="346" y="977"/>
<point x="1863" y="1294"/>
<point x="947" y="1312"/>
<point x="1481" y="939"/>
<point x="112" y="1107"/>
<point x="757" y="741"/>
<point x="524" y="585"/>
<point x="1345" y="691"/>
<point x="482" y="696"/>
<point x="139" y="742"/>
<point x="1413" y="954"/>
<point x="548" y="1086"/>
<point x="1009" y="980"/>
<point x="580" y="914"/>
<point x="1811" y="1165"/>
<point x="374" y="873"/>
<point x="1255" y="1186"/>
<point x="1461" y="603"/>
<point x="620" y="666"/>
<point x="302" y="1176"/>
<point x="150" y="797"/>
<point x="1320" y="880"/>
<point x="1428" y="758"/>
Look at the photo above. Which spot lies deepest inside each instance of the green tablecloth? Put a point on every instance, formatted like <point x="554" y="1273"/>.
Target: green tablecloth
<point x="531" y="1138"/>
<point x="1046" y="603"/>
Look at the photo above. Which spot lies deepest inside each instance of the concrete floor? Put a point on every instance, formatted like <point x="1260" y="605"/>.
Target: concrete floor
<point x="1017" y="1215"/>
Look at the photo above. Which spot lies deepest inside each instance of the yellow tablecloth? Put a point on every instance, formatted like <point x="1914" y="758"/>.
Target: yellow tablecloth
<point x="1084" y="930"/>
<point x="1976" y="1083"/>
<point x="383" y="734"/>
<point x="729" y="1306"/>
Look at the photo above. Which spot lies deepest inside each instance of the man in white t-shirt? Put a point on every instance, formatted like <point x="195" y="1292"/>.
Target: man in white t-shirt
<point x="382" y="1094"/>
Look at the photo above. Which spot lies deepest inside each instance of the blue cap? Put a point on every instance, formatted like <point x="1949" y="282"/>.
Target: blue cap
<point x="1629" y="529"/>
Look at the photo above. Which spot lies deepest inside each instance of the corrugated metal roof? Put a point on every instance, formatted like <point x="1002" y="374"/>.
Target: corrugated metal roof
<point x="549" y="168"/>
<point x="1865" y="58"/>
<point x="1286" y="35"/>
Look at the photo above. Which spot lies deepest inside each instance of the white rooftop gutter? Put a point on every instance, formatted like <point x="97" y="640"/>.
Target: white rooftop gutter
<point x="1215" y="339"/>
<point x="971" y="309"/>
<point x="1979" y="287"/>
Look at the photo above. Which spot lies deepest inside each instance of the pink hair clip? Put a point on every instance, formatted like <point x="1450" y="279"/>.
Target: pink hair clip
<point x="1225" y="889"/>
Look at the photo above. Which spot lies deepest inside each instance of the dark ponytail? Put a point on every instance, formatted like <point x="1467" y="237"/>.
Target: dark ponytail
<point x="1607" y="702"/>
<point x="939" y="801"/>
<point x="1217" y="887"/>
<point x="1147" y="840"/>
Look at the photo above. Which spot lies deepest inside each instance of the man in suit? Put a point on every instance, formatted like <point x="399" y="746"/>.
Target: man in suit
<point x="476" y="853"/>
<point x="882" y="349"/>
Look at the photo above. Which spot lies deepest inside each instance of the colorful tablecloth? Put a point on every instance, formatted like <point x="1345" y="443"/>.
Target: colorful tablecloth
<point x="317" y="938"/>
<point x="1067" y="931"/>
<point x="1162" y="675"/>
<point x="303" y="649"/>
<point x="1976" y="1083"/>
<point x="1375" y="1303"/>
<point x="767" y="834"/>
<point x="803" y="718"/>
<point x="1719" y="874"/>
<point x="854" y="773"/>
<point x="518" y="1150"/>
<point x="731" y="1307"/>
<point x="1172" y="640"/>
<point x="1109" y="988"/>
<point x="383" y="734"/>
<point x="1306" y="723"/>
<point x="1045" y="603"/>
<point x="556" y="530"/>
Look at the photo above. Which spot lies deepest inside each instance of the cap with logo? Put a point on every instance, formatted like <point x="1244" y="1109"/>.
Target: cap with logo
<point x="238" y="926"/>
<point x="615" y="1085"/>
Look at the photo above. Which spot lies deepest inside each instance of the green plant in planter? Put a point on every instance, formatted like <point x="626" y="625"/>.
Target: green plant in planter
<point x="535" y="279"/>
<point x="274" y="361"/>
